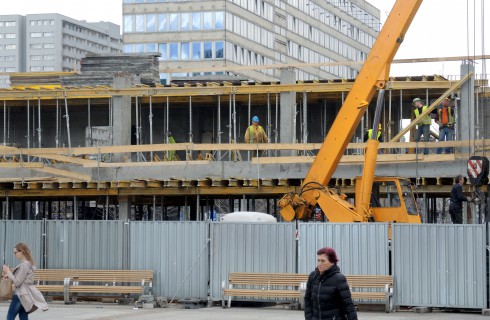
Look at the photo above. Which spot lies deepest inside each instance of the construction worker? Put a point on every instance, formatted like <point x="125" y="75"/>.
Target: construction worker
<point x="369" y="134"/>
<point x="255" y="133"/>
<point x="423" y="126"/>
<point x="446" y="123"/>
<point x="457" y="198"/>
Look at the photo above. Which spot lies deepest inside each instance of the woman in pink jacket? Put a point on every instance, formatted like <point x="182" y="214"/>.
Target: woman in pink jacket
<point x="26" y="298"/>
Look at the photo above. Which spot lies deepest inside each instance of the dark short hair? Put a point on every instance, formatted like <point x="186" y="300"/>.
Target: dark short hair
<point x="329" y="253"/>
<point x="458" y="177"/>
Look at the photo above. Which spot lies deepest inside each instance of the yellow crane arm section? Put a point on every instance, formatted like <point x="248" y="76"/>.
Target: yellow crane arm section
<point x="373" y="75"/>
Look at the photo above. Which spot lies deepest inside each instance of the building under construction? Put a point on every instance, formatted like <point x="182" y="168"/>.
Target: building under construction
<point x="118" y="145"/>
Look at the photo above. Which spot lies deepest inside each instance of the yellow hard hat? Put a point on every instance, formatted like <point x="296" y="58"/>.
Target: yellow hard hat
<point x="380" y="126"/>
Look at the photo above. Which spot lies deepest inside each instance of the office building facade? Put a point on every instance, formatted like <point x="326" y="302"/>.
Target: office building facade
<point x="52" y="42"/>
<point x="203" y="37"/>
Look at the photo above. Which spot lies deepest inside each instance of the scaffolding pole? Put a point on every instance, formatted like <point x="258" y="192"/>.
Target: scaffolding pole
<point x="305" y="120"/>
<point x="150" y="118"/>
<point x="167" y="133"/>
<point x="89" y="123"/>
<point x="277" y="119"/>
<point x="219" y="126"/>
<point x="190" y="126"/>
<point x="39" y="127"/>
<point x="249" y="110"/>
<point x="67" y="118"/>
<point x="4" y="123"/>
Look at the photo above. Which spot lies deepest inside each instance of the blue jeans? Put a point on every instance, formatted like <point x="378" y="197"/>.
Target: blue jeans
<point x="15" y="309"/>
<point x="423" y="129"/>
<point x="446" y="134"/>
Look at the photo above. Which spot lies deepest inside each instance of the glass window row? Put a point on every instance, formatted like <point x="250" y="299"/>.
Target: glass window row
<point x="173" y="22"/>
<point x="179" y="51"/>
<point x="39" y="57"/>
<point x="45" y="22"/>
<point x="8" y="47"/>
<point x="8" y="69"/>
<point x="249" y="30"/>
<point x="40" y="68"/>
<point x="42" y="45"/>
<point x="42" y="34"/>
<point x="8" y="23"/>
<point x="7" y="58"/>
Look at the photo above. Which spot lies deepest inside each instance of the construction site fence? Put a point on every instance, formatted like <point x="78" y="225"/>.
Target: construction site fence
<point x="433" y="265"/>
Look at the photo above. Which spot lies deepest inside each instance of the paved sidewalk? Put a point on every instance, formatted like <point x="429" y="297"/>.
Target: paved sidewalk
<point x="96" y="311"/>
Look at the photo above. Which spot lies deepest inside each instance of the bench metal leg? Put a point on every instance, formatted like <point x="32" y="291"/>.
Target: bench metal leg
<point x="66" y="291"/>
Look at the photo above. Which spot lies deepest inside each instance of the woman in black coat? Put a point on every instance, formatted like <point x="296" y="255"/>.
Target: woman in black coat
<point x="327" y="292"/>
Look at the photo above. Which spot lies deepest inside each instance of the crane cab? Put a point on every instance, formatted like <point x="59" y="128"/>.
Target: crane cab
<point x="393" y="200"/>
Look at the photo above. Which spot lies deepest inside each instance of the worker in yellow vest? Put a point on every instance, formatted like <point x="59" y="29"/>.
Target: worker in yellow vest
<point x="446" y="123"/>
<point x="255" y="133"/>
<point x="369" y="134"/>
<point x="423" y="125"/>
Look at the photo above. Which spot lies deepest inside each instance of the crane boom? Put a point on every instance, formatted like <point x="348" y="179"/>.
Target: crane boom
<point x="373" y="75"/>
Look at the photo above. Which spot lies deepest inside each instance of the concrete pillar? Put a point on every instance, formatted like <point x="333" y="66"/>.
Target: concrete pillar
<point x="121" y="122"/>
<point x="287" y="128"/>
<point x="465" y="109"/>
<point x="124" y="207"/>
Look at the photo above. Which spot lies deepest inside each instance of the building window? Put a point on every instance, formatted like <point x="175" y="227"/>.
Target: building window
<point x="184" y="22"/>
<point x="10" y="69"/>
<point x="36" y="46"/>
<point x="140" y="23"/>
<point x="139" y="48"/>
<point x="49" y="57"/>
<point x="220" y="19"/>
<point x="162" y="22"/>
<point x="128" y="48"/>
<point x="48" y="68"/>
<point x="36" y="57"/>
<point x="36" y="34"/>
<point x="128" y="23"/>
<point x="151" y="21"/>
<point x="208" y="50"/>
<point x="162" y="48"/>
<point x="10" y="46"/>
<point x="9" y="58"/>
<point x="196" y="51"/>
<point x="35" y="69"/>
<point x="10" y="23"/>
<point x="151" y="47"/>
<point x="10" y="36"/>
<point x="184" y="51"/>
<point x="208" y="20"/>
<point x="48" y="34"/>
<point x="219" y="49"/>
<point x="48" y="46"/>
<point x="174" y="51"/>
<point x="173" y="22"/>
<point x="196" y="21"/>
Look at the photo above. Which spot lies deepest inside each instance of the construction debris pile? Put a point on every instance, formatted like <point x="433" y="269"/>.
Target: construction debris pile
<point x="100" y="69"/>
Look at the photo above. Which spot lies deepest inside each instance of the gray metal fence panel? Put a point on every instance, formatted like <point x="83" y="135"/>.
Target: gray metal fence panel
<point x="29" y="232"/>
<point x="177" y="251"/>
<point x="250" y="247"/>
<point x="439" y="265"/>
<point x="362" y="248"/>
<point x="84" y="244"/>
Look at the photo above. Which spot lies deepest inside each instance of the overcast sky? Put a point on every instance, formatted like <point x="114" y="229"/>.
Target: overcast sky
<point x="440" y="28"/>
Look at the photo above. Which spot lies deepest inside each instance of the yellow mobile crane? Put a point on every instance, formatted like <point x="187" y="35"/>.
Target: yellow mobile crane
<point x="398" y="204"/>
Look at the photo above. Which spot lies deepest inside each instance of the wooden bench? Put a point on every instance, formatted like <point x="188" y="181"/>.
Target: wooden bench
<point x="372" y="288"/>
<point x="263" y="285"/>
<point x="124" y="282"/>
<point x="364" y="288"/>
<point x="75" y="281"/>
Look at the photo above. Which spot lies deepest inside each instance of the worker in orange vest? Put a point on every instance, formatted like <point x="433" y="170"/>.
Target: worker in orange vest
<point x="446" y="123"/>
